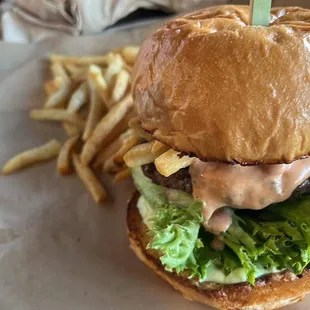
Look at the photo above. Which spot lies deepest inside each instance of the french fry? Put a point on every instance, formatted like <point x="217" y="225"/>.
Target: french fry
<point x="122" y="175"/>
<point x="127" y="134"/>
<point x="58" y="99"/>
<point x="71" y="130"/>
<point x="143" y="134"/>
<point x="89" y="179"/>
<point x="140" y="155"/>
<point x="77" y="73"/>
<point x="111" y="139"/>
<point x="83" y="60"/>
<point x="115" y="149"/>
<point x="59" y="115"/>
<point x="110" y="166"/>
<point x="112" y="159"/>
<point x="114" y="68"/>
<point x="136" y="125"/>
<point x="38" y="154"/>
<point x="64" y="156"/>
<point x="59" y="71"/>
<point x="95" y="75"/>
<point x="127" y="144"/>
<point x="128" y="67"/>
<point x="52" y="86"/>
<point x="72" y="68"/>
<point x="107" y="152"/>
<point x="169" y="162"/>
<point x="104" y="128"/>
<point x="121" y="85"/>
<point x="134" y="122"/>
<point x="159" y="148"/>
<point x="130" y="54"/>
<point x="78" y="98"/>
<point x="96" y="111"/>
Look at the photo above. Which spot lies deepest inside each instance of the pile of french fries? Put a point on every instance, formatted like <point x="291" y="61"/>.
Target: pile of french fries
<point x="90" y="97"/>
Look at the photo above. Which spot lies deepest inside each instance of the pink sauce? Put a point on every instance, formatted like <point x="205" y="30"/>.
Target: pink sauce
<point x="217" y="244"/>
<point x="219" y="221"/>
<point x="240" y="187"/>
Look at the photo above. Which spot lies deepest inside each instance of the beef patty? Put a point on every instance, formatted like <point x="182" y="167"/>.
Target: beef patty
<point x="181" y="180"/>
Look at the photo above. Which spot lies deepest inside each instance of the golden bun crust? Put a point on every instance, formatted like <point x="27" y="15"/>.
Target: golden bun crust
<point x="270" y="292"/>
<point x="211" y="86"/>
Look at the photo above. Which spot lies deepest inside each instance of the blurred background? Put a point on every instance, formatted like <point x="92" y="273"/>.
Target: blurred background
<point x="34" y="20"/>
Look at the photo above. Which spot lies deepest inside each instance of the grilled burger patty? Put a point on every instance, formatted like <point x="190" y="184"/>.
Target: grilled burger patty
<point x="181" y="180"/>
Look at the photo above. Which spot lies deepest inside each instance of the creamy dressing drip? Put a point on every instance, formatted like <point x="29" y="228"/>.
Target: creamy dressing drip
<point x="219" y="221"/>
<point x="217" y="244"/>
<point x="243" y="187"/>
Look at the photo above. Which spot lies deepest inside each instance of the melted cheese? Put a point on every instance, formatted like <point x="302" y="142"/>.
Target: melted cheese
<point x="243" y="187"/>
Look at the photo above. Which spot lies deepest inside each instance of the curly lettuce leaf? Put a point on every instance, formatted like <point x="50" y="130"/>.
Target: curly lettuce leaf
<point x="277" y="244"/>
<point x="297" y="212"/>
<point x="175" y="234"/>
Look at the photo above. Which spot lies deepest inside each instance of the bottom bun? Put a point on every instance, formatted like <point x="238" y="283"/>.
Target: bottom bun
<point x="270" y="292"/>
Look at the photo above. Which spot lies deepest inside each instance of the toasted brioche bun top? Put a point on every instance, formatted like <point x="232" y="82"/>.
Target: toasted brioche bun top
<point x="211" y="86"/>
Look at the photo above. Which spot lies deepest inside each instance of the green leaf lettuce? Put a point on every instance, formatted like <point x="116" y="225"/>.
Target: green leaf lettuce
<point x="259" y="242"/>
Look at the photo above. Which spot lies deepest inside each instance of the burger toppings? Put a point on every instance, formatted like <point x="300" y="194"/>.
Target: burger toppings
<point x="250" y="187"/>
<point x="240" y="187"/>
<point x="256" y="243"/>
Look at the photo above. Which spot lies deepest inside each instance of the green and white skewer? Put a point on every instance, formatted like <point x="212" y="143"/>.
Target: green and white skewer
<point x="260" y="12"/>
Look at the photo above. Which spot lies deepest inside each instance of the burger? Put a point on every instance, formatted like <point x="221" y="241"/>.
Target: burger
<point x="222" y="210"/>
